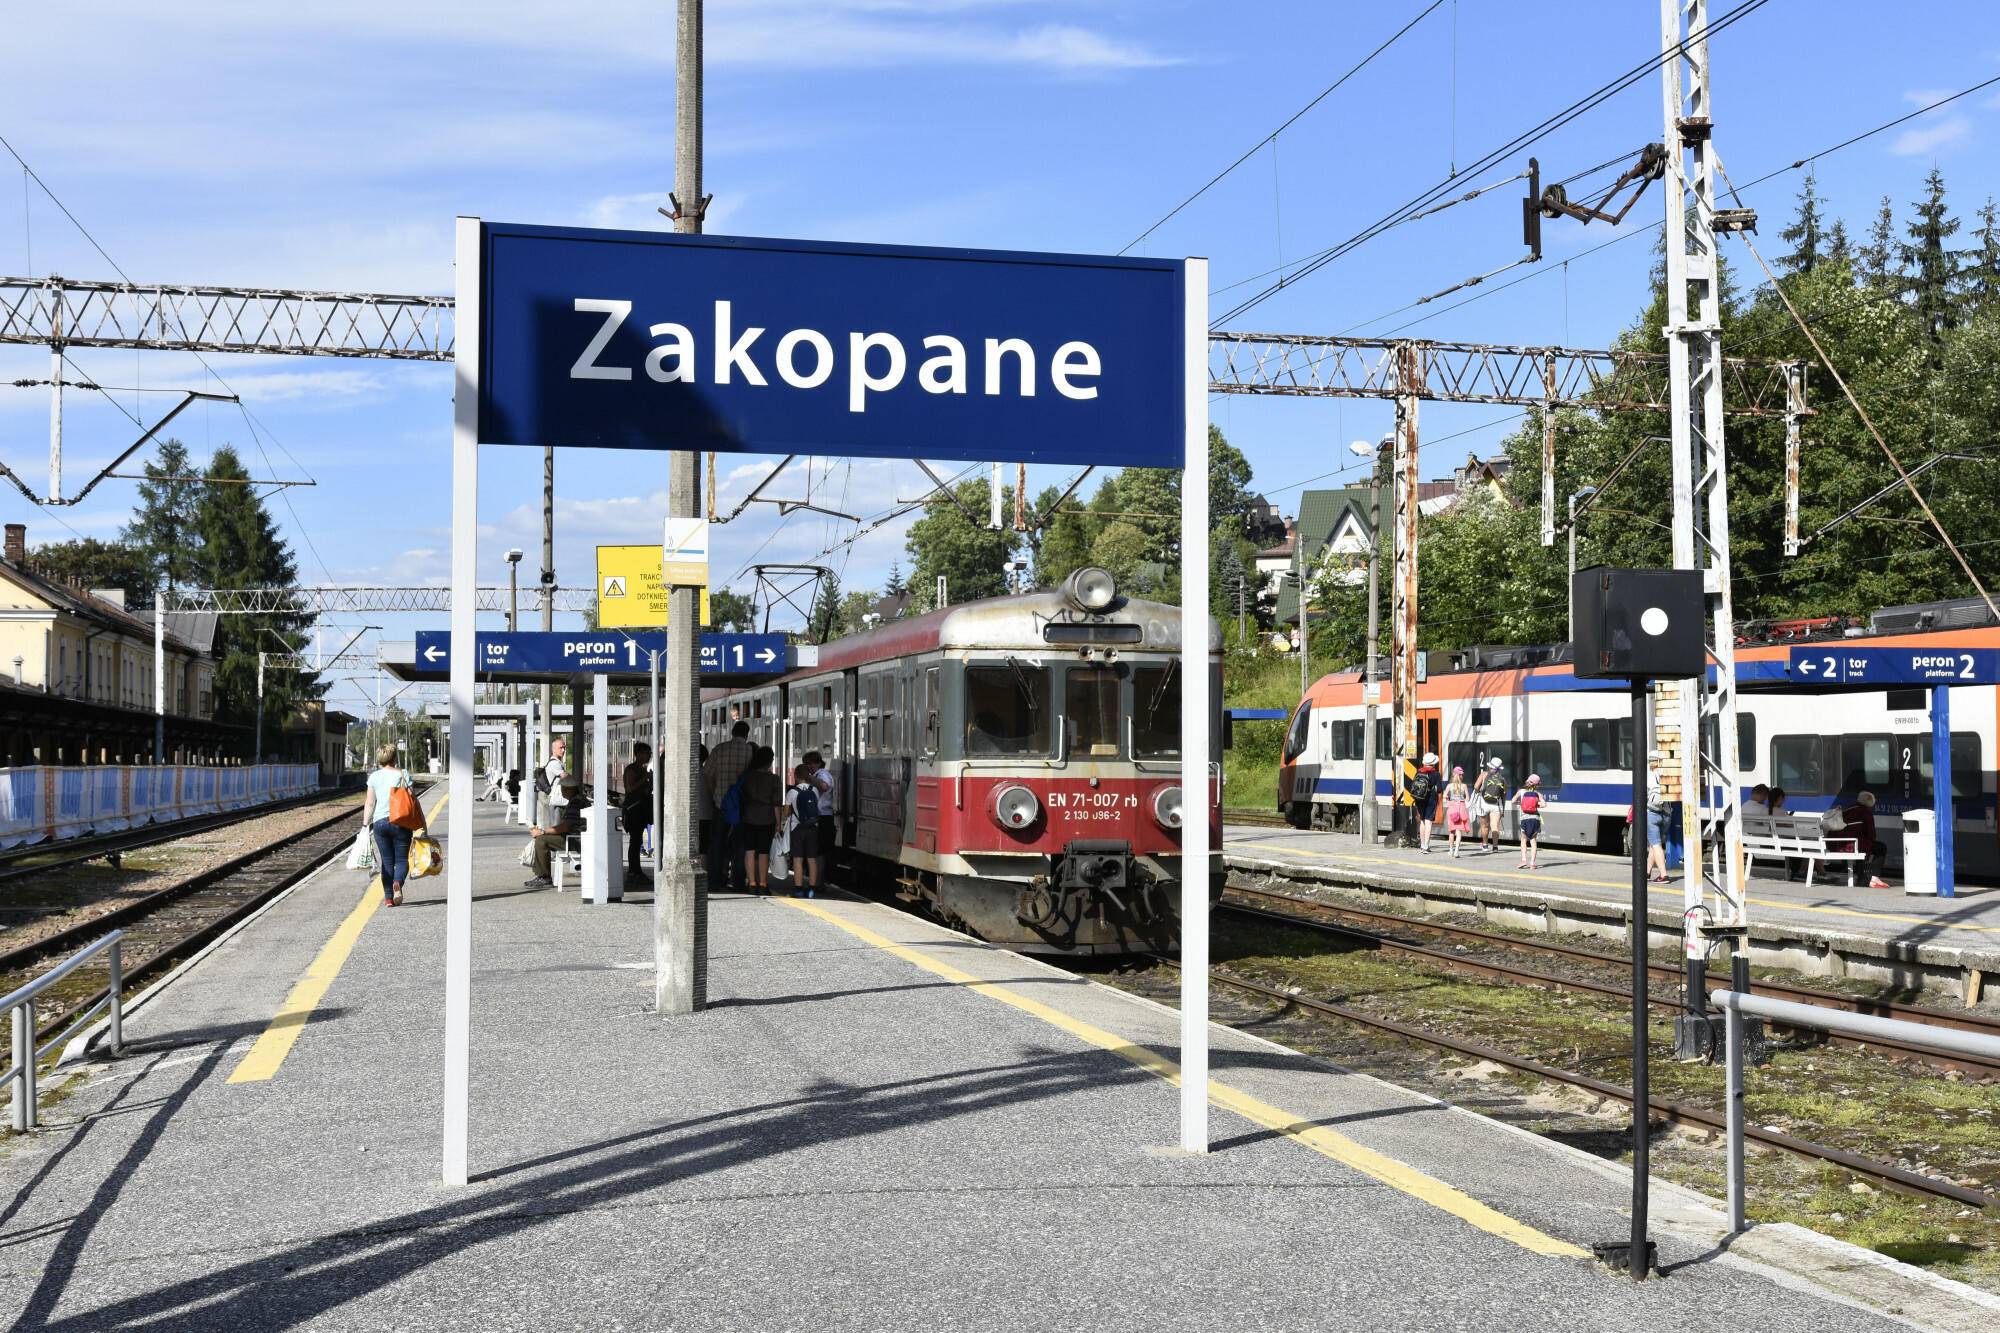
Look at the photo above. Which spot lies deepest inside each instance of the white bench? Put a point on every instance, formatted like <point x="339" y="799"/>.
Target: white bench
<point x="569" y="859"/>
<point x="1784" y="838"/>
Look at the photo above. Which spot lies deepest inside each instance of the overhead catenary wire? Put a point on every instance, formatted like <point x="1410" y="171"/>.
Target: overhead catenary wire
<point x="1547" y="126"/>
<point x="1288" y="122"/>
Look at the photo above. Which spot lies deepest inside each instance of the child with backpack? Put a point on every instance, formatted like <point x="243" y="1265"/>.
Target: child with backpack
<point x="1530" y="799"/>
<point x="804" y="804"/>
<point x="1492" y="803"/>
<point x="1457" y="808"/>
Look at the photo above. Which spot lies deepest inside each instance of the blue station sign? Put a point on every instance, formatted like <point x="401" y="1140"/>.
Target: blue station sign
<point x="652" y="340"/>
<point x="1832" y="664"/>
<point x="599" y="652"/>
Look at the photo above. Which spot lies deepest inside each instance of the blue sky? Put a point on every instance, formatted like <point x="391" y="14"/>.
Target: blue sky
<point x="329" y="146"/>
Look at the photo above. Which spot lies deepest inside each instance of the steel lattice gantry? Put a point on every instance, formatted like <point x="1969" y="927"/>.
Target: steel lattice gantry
<point x="62" y="312"/>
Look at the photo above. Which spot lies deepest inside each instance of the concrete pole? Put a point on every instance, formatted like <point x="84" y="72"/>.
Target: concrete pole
<point x="159" y="678"/>
<point x="55" y="412"/>
<point x="258" y="748"/>
<point x="680" y="901"/>
<point x="1305" y="650"/>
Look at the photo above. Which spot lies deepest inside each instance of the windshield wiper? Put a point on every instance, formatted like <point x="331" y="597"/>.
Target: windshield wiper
<point x="1160" y="690"/>
<point x="1021" y="683"/>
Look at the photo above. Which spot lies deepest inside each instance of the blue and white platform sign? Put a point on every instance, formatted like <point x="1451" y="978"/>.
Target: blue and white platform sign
<point x="599" y="652"/>
<point x="652" y="340"/>
<point x="1832" y="664"/>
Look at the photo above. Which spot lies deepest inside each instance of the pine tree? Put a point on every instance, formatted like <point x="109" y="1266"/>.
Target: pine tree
<point x="1931" y="264"/>
<point x="897" y="584"/>
<point x="1878" y="257"/>
<point x="238" y="546"/>
<point x="163" y="523"/>
<point x="825" y="622"/>
<point x="1982" y="273"/>
<point x="1806" y="235"/>
<point x="1839" y="250"/>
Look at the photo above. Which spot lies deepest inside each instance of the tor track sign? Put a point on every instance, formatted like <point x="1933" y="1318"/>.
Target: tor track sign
<point x="649" y="340"/>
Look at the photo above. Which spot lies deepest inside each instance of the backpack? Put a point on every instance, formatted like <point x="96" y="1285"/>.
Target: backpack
<point x="1493" y="788"/>
<point x="1422" y="785"/>
<point x="542" y="779"/>
<point x="807" y="805"/>
<point x="732" y="803"/>
<point x="1834" y="820"/>
<point x="1531" y="803"/>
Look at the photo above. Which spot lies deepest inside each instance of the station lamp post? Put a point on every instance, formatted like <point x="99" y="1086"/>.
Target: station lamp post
<point x="514" y="555"/>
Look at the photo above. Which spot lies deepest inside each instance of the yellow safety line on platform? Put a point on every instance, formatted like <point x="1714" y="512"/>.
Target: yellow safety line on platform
<point x="275" y="1043"/>
<point x="1326" y="1142"/>
<point x="1667" y="890"/>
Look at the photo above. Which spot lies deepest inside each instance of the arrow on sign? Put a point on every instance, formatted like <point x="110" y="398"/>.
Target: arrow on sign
<point x="767" y="657"/>
<point x="1805" y="668"/>
<point x="433" y="653"/>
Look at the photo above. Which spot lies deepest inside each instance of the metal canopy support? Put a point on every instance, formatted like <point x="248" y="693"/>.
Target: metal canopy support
<point x="458" y="764"/>
<point x="1713" y="884"/>
<point x="1200" y="797"/>
<point x="1403" y="596"/>
<point x="338" y="599"/>
<point x="1549" y="451"/>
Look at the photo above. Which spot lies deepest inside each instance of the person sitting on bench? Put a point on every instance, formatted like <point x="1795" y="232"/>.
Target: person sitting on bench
<point x="547" y="842"/>
<point x="1860" y="819"/>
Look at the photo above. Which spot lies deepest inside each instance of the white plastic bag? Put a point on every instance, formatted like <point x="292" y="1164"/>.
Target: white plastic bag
<point x="361" y="856"/>
<point x="781" y="850"/>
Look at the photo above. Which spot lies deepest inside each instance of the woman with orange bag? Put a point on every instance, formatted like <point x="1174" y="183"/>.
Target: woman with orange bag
<point x="392" y="812"/>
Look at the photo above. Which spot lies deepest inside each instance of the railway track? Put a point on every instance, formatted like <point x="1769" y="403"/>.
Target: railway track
<point x="131" y="840"/>
<point x="1309" y="914"/>
<point x="1679" y="1113"/>
<point x="1253" y="818"/>
<point x="164" y="927"/>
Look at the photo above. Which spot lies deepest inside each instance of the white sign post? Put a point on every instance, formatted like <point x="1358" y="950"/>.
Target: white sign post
<point x="1198" y="799"/>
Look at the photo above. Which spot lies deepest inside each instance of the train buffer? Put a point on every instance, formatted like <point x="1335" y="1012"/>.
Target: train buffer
<point x="876" y="1124"/>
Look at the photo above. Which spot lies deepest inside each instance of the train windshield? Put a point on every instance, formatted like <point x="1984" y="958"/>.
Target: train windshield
<point x="1156" y="712"/>
<point x="1006" y="709"/>
<point x="1090" y="702"/>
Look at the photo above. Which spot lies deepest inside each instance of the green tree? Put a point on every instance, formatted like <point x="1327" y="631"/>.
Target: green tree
<point x="239" y="547"/>
<point x="1229" y="478"/>
<point x="1839" y="250"/>
<point x="824" y="622"/>
<point x="853" y="606"/>
<point x="731" y="610"/>
<point x="1932" y="265"/>
<point x="100" y="564"/>
<point x="1064" y="541"/>
<point x="1806" y="235"/>
<point x="1982" y="270"/>
<point x="163" y="522"/>
<point x="971" y="556"/>
<point x="1121" y="547"/>
<point x="896" y="584"/>
<point x="1879" y="257"/>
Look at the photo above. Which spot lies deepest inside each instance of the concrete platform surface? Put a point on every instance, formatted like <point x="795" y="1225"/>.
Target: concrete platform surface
<point x="1966" y="926"/>
<point x="878" y="1124"/>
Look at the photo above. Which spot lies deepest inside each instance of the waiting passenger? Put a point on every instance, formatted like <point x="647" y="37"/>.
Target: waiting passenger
<point x="1656" y="819"/>
<point x="718" y="775"/>
<point x="1860" y="826"/>
<point x="1457" y="808"/>
<point x="544" y="843"/>
<point x="802" y="811"/>
<point x="635" y="808"/>
<point x="829" y="806"/>
<point x="1776" y="800"/>
<point x="762" y="800"/>
<point x="1530" y="799"/>
<point x="1759" y="802"/>
<point x="1493" y="802"/>
<point x="1424" y="797"/>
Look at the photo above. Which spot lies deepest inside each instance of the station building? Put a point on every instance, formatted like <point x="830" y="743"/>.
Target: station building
<point x="76" y="674"/>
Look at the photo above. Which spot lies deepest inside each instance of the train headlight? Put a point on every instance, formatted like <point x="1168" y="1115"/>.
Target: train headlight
<point x="1015" y="807"/>
<point x="1091" y="588"/>
<point x="1167" y="807"/>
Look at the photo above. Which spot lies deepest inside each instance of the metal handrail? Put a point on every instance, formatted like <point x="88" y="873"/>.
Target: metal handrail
<point x="21" y="1001"/>
<point x="1791" y="1013"/>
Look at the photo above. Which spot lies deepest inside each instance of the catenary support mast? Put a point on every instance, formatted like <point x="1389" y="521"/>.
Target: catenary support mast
<point x="680" y="907"/>
<point x="1712" y="896"/>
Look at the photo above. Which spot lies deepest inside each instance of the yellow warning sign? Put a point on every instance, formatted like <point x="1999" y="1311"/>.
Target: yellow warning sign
<point x="631" y="589"/>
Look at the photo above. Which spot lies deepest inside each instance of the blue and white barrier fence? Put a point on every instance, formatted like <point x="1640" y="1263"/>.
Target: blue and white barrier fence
<point x="47" y="803"/>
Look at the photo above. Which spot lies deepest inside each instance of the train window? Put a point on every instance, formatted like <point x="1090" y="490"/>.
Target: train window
<point x="1482" y="717"/>
<point x="1798" y="765"/>
<point x="1295" y="735"/>
<point x="1867" y="763"/>
<point x="1601" y="742"/>
<point x="1156" y="712"/>
<point x="1906" y="701"/>
<point x="1383" y="739"/>
<point x="1968" y="778"/>
<point x="1006" y="709"/>
<point x="1336" y="741"/>
<point x="1746" y="738"/>
<point x="1090" y="701"/>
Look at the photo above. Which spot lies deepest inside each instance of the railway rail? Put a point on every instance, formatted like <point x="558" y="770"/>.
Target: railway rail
<point x="164" y="927"/>
<point x="1253" y="818"/>
<point x="1302" y="913"/>
<point x="1895" y="1177"/>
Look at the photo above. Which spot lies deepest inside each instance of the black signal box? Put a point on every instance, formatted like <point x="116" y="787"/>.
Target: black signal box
<point x="1638" y="624"/>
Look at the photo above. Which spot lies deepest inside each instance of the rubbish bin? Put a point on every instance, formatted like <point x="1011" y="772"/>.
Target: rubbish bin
<point x="1920" y="852"/>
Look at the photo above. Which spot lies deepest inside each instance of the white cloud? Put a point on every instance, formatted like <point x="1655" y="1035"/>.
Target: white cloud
<point x="1919" y="141"/>
<point x="318" y="387"/>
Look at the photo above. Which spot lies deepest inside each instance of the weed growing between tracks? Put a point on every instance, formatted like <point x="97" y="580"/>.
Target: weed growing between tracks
<point x="1903" y="1113"/>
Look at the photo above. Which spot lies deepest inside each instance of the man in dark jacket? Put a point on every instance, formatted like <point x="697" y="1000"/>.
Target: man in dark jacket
<point x="1860" y="819"/>
<point x="635" y="807"/>
<point x="548" y="841"/>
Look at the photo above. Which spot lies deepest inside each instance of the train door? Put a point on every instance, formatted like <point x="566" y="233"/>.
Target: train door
<point x="1429" y="736"/>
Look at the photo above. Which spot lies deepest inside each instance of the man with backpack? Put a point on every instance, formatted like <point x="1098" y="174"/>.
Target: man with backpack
<point x="725" y="768"/>
<point x="829" y="806"/>
<point x="803" y="801"/>
<point x="1424" y="793"/>
<point x="1493" y="800"/>
<point x="550" y="778"/>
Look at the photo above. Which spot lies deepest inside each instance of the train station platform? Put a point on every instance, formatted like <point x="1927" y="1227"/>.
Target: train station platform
<point x="1823" y="928"/>
<point x="877" y="1124"/>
